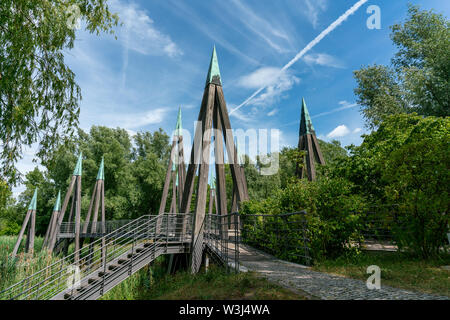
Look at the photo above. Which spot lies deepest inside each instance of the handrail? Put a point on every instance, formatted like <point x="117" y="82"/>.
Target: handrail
<point x="70" y="255"/>
<point x="49" y="281"/>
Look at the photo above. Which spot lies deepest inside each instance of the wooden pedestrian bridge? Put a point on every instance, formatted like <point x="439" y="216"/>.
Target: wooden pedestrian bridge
<point x="105" y="262"/>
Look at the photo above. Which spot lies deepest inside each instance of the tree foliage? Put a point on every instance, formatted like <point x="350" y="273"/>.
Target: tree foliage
<point x="38" y="94"/>
<point x="134" y="174"/>
<point x="419" y="75"/>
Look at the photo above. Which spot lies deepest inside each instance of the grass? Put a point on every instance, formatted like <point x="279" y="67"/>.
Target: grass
<point x="13" y="270"/>
<point x="397" y="270"/>
<point x="216" y="284"/>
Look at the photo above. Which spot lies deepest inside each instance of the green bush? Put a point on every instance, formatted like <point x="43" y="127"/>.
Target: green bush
<point x="417" y="178"/>
<point x="333" y="219"/>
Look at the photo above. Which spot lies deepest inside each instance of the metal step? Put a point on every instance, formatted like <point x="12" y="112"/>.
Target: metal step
<point x="93" y="280"/>
<point x="113" y="267"/>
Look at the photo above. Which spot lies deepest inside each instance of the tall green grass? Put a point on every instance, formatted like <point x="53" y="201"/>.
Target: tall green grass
<point x="13" y="270"/>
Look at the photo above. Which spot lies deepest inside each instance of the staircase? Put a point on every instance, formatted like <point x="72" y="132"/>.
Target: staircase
<point x="102" y="264"/>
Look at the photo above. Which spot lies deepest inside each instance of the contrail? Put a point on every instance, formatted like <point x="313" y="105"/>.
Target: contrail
<point x="310" y="45"/>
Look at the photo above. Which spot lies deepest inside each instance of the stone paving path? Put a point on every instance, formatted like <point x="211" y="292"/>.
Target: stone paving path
<point x="318" y="285"/>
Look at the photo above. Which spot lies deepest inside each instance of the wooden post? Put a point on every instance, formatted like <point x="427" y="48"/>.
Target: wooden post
<point x="197" y="234"/>
<point x="89" y="213"/>
<point x="31" y="213"/>
<point x="220" y="170"/>
<point x="213" y="112"/>
<point x="53" y="221"/>
<point x="231" y="149"/>
<point x="77" y="220"/>
<point x="162" y="206"/>
<point x="61" y="215"/>
<point x="31" y="233"/>
<point x="308" y="142"/>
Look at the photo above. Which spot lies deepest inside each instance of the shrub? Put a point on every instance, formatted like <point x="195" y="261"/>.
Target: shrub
<point x="333" y="219"/>
<point x="417" y="178"/>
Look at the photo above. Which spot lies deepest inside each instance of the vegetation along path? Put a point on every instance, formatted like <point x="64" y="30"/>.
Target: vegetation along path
<point x="321" y="285"/>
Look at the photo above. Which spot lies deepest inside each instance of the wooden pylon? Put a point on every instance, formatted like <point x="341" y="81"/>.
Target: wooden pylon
<point x="240" y="161"/>
<point x="308" y="142"/>
<point x="212" y="196"/>
<point x="53" y="221"/>
<point x="31" y="214"/>
<point x="97" y="199"/>
<point x="75" y="188"/>
<point x="176" y="171"/>
<point x="97" y="202"/>
<point x="213" y="112"/>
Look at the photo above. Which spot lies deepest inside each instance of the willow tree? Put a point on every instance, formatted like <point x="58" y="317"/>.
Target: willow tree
<point x="39" y="98"/>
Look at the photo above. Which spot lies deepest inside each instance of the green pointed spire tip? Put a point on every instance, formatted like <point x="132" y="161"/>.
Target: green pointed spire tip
<point x="214" y="71"/>
<point x="78" y="167"/>
<point x="101" y="170"/>
<point x="306" y="126"/>
<point x="57" y="206"/>
<point x="33" y="203"/>
<point x="179" y="127"/>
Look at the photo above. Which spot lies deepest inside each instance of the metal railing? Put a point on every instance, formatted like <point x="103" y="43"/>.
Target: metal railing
<point x="284" y="235"/>
<point x="65" y="274"/>
<point x="222" y="237"/>
<point x="91" y="227"/>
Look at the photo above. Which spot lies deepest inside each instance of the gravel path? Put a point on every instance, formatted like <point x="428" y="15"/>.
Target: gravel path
<point x="318" y="285"/>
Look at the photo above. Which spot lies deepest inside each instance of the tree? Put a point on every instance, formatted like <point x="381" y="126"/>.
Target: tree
<point x="38" y="93"/>
<point x="418" y="79"/>
<point x="134" y="176"/>
<point x="417" y="176"/>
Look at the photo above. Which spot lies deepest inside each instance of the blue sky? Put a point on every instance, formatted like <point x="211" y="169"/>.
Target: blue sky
<point x="159" y="62"/>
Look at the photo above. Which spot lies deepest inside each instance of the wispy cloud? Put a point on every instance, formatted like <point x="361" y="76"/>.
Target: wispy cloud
<point x="313" y="9"/>
<point x="309" y="46"/>
<point x="272" y="113"/>
<point x="338" y="132"/>
<point x="323" y="59"/>
<point x="139" y="33"/>
<point x="261" y="27"/>
<point x="136" y="120"/>
<point x="186" y="13"/>
<point x="276" y="82"/>
<point x="246" y="118"/>
<point x="344" y="106"/>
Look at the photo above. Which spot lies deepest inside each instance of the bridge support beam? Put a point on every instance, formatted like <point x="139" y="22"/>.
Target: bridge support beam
<point x="213" y="114"/>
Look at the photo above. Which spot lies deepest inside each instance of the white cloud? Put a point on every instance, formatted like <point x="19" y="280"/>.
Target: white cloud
<point x="357" y="130"/>
<point x="313" y="9"/>
<point x="242" y="117"/>
<point x="273" y="112"/>
<point x="344" y="106"/>
<point x="274" y="80"/>
<point x="338" y="132"/>
<point x="132" y="133"/>
<point x="139" y="34"/>
<point x="131" y="121"/>
<point x="261" y="27"/>
<point x="309" y="46"/>
<point x="184" y="10"/>
<point x="323" y="59"/>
